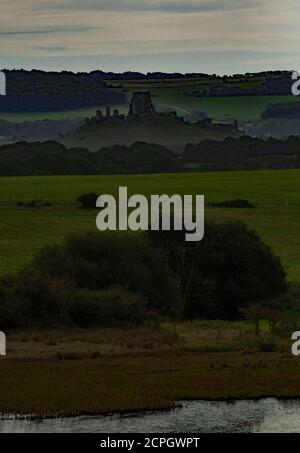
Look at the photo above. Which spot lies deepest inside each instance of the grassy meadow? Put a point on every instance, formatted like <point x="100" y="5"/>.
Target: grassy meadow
<point x="70" y="114"/>
<point x="23" y="231"/>
<point x="171" y="95"/>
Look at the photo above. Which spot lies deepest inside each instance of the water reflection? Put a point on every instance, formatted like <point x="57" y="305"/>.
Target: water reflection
<point x="266" y="415"/>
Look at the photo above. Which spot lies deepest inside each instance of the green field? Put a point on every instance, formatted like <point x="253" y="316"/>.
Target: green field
<point x="70" y="114"/>
<point x="171" y="95"/>
<point x="243" y="108"/>
<point x="24" y="231"/>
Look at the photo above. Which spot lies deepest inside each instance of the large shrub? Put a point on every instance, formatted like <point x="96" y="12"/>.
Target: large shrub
<point x="88" y="200"/>
<point x="111" y="278"/>
<point x="226" y="271"/>
<point x="110" y="307"/>
<point x="34" y="299"/>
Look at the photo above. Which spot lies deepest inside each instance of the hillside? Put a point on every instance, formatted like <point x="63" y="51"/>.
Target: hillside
<point x="38" y="91"/>
<point x="169" y="132"/>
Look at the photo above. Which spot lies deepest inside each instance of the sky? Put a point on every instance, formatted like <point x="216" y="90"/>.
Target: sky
<point x="211" y="36"/>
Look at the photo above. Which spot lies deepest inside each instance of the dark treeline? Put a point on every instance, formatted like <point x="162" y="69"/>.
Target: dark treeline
<point x="52" y="158"/>
<point x="38" y="91"/>
<point x="99" y="75"/>
<point x="244" y="153"/>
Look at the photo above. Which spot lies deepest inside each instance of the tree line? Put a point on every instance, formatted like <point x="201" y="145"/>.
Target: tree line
<point x="38" y="91"/>
<point x="244" y="153"/>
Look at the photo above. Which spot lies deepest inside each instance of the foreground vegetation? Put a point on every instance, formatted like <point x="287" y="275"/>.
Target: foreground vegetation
<point x="109" y="370"/>
<point x="113" y="278"/>
<point x="103" y="370"/>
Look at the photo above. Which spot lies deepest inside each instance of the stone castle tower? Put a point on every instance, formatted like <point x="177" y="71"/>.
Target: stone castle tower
<point x="141" y="104"/>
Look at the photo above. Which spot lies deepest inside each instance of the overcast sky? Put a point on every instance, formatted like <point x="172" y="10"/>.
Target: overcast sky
<point x="223" y="36"/>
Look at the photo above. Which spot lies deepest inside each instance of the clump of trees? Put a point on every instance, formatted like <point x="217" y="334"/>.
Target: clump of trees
<point x="237" y="203"/>
<point x="88" y="200"/>
<point x="111" y="279"/>
<point x="226" y="271"/>
<point x="53" y="158"/>
<point x="243" y="153"/>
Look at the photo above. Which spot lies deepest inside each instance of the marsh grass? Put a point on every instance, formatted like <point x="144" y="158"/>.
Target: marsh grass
<point x="78" y="371"/>
<point x="84" y="342"/>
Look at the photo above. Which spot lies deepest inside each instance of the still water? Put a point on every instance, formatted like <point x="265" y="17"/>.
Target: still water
<point x="262" y="416"/>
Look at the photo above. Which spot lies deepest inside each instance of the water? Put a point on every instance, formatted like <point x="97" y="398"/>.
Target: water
<point x="263" y="416"/>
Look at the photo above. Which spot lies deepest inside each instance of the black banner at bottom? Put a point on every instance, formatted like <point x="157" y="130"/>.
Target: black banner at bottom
<point x="135" y="442"/>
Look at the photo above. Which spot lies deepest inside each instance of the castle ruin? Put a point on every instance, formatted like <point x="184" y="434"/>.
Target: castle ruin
<point x="141" y="106"/>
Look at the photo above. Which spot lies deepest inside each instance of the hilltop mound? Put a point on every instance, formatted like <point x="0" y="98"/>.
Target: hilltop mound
<point x="170" y="132"/>
<point x="144" y="124"/>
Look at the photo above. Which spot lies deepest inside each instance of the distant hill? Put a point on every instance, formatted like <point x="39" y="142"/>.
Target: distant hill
<point x="38" y="91"/>
<point x="270" y="85"/>
<point x="171" y="132"/>
<point x="32" y="131"/>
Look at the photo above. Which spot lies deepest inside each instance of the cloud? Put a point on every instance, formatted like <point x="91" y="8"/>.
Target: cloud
<point x="127" y="28"/>
<point x="50" y="49"/>
<point x="46" y="31"/>
<point x="176" y="6"/>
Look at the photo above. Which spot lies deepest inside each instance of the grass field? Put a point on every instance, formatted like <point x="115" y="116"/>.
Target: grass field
<point x="35" y="116"/>
<point x="171" y="95"/>
<point x="242" y="108"/>
<point x="23" y="231"/>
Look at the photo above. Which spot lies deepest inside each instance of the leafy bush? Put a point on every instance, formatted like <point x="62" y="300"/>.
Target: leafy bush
<point x="237" y="203"/>
<point x="109" y="307"/>
<point x="88" y="200"/>
<point x="267" y="345"/>
<point x="34" y="299"/>
<point x="111" y="278"/>
<point x="228" y="270"/>
<point x="97" y="261"/>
